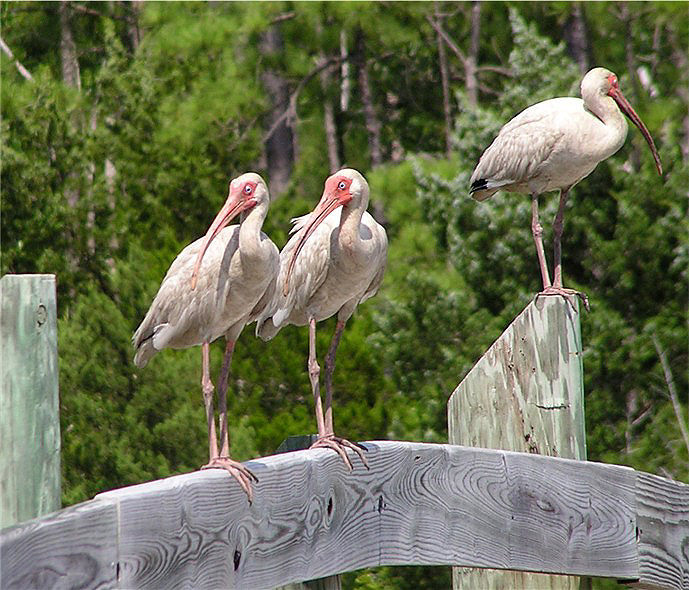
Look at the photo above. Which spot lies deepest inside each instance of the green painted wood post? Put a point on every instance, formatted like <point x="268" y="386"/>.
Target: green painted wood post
<point x="526" y="393"/>
<point x="29" y="419"/>
<point x="297" y="443"/>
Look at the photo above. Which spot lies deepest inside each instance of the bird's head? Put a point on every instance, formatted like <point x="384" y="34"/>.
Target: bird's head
<point x="245" y="192"/>
<point x="345" y="188"/>
<point x="600" y="82"/>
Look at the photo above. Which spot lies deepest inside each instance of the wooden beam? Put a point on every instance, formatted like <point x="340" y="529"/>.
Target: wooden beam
<point x="420" y="504"/>
<point x="525" y="394"/>
<point x="663" y="532"/>
<point x="29" y="420"/>
<point x="72" y="548"/>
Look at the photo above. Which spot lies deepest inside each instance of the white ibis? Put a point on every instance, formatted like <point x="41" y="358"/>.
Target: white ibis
<point x="553" y="145"/>
<point x="334" y="262"/>
<point x="214" y="287"/>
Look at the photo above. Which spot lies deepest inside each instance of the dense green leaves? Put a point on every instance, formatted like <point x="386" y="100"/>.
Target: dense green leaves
<point x="105" y="185"/>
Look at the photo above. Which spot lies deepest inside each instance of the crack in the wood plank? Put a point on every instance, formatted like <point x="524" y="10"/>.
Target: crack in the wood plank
<point x="556" y="407"/>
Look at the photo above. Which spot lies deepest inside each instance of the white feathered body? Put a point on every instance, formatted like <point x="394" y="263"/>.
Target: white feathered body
<point x="334" y="272"/>
<point x="551" y="145"/>
<point x="234" y="283"/>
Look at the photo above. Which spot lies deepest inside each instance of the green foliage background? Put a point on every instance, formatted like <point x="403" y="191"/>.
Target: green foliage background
<point x="185" y="111"/>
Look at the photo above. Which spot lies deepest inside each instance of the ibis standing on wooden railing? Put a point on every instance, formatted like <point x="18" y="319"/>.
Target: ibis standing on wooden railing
<point x="216" y="286"/>
<point x="553" y="145"/>
<point x="335" y="260"/>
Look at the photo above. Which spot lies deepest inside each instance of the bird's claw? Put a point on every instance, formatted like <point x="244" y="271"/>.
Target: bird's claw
<point x="339" y="445"/>
<point x="568" y="295"/>
<point x="241" y="473"/>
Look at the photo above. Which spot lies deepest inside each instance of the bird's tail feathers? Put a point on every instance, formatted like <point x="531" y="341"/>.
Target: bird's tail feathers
<point x="145" y="350"/>
<point x="266" y="329"/>
<point x="482" y="189"/>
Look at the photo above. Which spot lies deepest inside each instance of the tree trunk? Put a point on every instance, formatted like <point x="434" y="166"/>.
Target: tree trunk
<point x="576" y="37"/>
<point x="444" y="78"/>
<point x="373" y="126"/>
<point x="472" y="59"/>
<point x="329" y="124"/>
<point x="280" y="145"/>
<point x="68" y="50"/>
<point x="679" y="57"/>
<point x="631" y="70"/>
<point x="346" y="84"/>
<point x="133" y="31"/>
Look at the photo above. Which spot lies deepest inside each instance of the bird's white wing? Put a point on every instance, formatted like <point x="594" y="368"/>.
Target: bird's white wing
<point x="268" y="296"/>
<point x="178" y="313"/>
<point x="379" y="258"/>
<point x="522" y="147"/>
<point x="309" y="272"/>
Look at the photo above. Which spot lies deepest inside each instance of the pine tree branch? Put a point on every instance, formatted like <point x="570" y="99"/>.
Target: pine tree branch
<point x="670" y="382"/>
<point x="283" y="17"/>
<point x="92" y="12"/>
<point x="450" y="43"/>
<point x="291" y="110"/>
<point x="8" y="52"/>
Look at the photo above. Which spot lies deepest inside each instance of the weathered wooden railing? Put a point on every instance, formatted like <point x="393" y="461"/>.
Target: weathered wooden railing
<point x="418" y="504"/>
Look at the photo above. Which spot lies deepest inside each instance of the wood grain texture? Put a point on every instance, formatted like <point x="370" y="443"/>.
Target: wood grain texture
<point x="526" y="391"/>
<point x="298" y="443"/>
<point x="73" y="548"/>
<point x="663" y="532"/>
<point x="29" y="420"/>
<point x="525" y="394"/>
<point x="419" y="504"/>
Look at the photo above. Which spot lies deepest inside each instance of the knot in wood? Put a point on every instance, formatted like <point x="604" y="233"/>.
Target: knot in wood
<point x="41" y="314"/>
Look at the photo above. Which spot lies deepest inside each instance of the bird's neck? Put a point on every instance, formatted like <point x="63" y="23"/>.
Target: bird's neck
<point x="349" y="238"/>
<point x="606" y="109"/>
<point x="250" y="231"/>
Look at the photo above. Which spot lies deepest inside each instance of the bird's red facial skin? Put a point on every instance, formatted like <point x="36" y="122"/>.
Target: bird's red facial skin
<point x="338" y="187"/>
<point x="614" y="85"/>
<point x="248" y="191"/>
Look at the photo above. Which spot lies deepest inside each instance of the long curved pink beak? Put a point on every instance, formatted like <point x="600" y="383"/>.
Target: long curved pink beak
<point x="234" y="205"/>
<point x="328" y="203"/>
<point x="627" y="109"/>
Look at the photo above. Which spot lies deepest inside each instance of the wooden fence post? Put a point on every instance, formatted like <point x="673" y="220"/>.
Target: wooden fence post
<point x="525" y="394"/>
<point x="29" y="419"/>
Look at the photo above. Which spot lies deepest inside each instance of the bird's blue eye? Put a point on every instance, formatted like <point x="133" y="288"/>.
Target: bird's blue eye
<point x="248" y="189"/>
<point x="341" y="185"/>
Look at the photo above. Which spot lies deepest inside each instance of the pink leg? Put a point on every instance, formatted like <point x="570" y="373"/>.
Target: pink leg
<point x="329" y="370"/>
<point x="207" y="389"/>
<point x="223" y="461"/>
<point x="222" y="399"/>
<point x="558" y="227"/>
<point x="327" y="439"/>
<point x="314" y="374"/>
<point x="537" y="231"/>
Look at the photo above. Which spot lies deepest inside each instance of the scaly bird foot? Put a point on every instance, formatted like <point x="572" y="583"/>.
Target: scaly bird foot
<point x="242" y="474"/>
<point x="339" y="445"/>
<point x="568" y="294"/>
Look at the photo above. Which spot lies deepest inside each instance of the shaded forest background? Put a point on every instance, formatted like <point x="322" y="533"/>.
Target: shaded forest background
<point x="122" y="124"/>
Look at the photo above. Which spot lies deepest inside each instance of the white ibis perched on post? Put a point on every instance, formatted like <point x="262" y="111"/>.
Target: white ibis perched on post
<point x="335" y="261"/>
<point x="553" y="145"/>
<point x="214" y="287"/>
